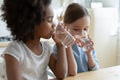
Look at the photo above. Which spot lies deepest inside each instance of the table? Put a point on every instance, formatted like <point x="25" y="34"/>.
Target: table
<point x="4" y="44"/>
<point x="110" y="73"/>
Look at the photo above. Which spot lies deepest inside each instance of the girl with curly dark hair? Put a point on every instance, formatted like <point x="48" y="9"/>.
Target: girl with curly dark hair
<point x="27" y="57"/>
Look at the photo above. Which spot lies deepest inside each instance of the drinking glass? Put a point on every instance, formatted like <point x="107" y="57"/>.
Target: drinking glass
<point x="64" y="36"/>
<point x="86" y="40"/>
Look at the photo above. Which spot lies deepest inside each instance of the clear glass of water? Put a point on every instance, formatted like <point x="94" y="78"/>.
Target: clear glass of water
<point x="64" y="36"/>
<point x="86" y="40"/>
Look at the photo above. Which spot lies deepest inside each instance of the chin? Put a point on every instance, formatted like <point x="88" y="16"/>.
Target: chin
<point x="48" y="37"/>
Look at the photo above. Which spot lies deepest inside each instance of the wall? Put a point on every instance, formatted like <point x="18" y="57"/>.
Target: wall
<point x="103" y="31"/>
<point x="3" y="29"/>
<point x="108" y="3"/>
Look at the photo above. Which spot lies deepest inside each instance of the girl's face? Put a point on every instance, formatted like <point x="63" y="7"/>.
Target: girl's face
<point x="79" y="26"/>
<point x="46" y="28"/>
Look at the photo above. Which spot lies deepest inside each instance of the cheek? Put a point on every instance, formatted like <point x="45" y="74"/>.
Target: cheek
<point x="48" y="29"/>
<point x="44" y="30"/>
<point x="73" y="32"/>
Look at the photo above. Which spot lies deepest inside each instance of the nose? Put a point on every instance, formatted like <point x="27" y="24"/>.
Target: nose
<point x="53" y="26"/>
<point x="80" y="33"/>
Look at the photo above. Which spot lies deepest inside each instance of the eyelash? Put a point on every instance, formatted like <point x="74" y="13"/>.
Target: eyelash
<point x="50" y="21"/>
<point x="85" y="29"/>
<point x="78" y="29"/>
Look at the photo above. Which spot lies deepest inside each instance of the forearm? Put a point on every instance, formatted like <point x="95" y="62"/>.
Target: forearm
<point x="72" y="65"/>
<point x="91" y="61"/>
<point x="61" y="63"/>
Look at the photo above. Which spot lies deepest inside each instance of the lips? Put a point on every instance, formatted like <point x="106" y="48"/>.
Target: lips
<point x="51" y="32"/>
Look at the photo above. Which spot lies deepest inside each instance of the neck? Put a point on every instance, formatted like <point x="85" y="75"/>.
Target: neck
<point x="33" y="42"/>
<point x="35" y="46"/>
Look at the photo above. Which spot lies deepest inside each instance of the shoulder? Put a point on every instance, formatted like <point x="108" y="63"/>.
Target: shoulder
<point x="14" y="49"/>
<point x="14" y="44"/>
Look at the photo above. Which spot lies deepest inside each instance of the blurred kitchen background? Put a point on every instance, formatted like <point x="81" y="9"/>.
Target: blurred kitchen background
<point x="104" y="29"/>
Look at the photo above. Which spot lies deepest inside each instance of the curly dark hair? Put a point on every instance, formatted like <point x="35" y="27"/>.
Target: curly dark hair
<point x="22" y="16"/>
<point x="73" y="12"/>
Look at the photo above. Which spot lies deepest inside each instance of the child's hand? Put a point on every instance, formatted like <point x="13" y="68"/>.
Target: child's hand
<point x="85" y="43"/>
<point x="59" y="33"/>
<point x="79" y="41"/>
<point x="90" y="45"/>
<point x="55" y="38"/>
<point x="63" y="36"/>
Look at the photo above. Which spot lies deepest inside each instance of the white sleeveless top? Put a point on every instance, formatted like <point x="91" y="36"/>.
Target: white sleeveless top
<point x="32" y="67"/>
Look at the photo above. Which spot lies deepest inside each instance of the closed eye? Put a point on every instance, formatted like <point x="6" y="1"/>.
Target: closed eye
<point x="85" y="29"/>
<point x="76" y="30"/>
<point x="50" y="19"/>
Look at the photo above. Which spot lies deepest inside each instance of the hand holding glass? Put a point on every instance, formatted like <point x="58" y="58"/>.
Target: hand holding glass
<point x="64" y="36"/>
<point x="88" y="44"/>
